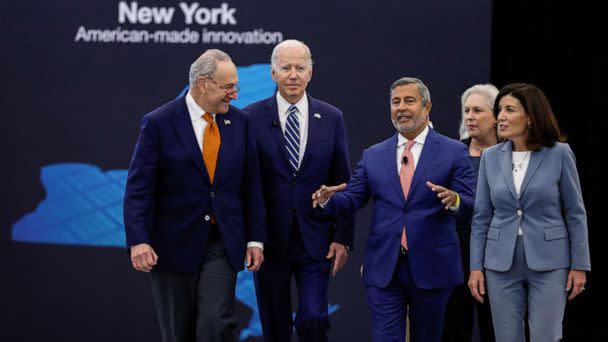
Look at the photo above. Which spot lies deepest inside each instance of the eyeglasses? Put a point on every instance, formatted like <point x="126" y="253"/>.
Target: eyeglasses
<point x="230" y="89"/>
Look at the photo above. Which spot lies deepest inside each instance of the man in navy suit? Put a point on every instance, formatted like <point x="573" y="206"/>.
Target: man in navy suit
<point x="419" y="180"/>
<point x="193" y="199"/>
<point x="302" y="144"/>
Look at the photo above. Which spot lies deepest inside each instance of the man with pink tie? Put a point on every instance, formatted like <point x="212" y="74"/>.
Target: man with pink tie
<point x="419" y="181"/>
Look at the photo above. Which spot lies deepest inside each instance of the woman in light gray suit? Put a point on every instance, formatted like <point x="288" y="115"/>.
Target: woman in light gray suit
<point x="529" y="243"/>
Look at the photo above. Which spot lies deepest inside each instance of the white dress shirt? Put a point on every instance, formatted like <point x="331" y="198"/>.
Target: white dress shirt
<point x="199" y="124"/>
<point x="416" y="150"/>
<point x="196" y="116"/>
<point x="521" y="159"/>
<point x="283" y="107"/>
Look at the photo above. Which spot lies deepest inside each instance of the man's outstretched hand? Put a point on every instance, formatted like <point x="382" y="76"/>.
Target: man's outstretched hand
<point x="325" y="192"/>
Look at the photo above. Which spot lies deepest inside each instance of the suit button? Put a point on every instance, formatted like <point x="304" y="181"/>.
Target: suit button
<point x="519" y="212"/>
<point x="212" y="194"/>
<point x="207" y="217"/>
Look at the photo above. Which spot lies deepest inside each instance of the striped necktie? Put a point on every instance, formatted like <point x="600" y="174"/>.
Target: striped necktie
<point x="292" y="138"/>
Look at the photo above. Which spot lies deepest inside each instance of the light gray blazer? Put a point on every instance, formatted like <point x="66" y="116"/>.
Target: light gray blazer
<point x="550" y="211"/>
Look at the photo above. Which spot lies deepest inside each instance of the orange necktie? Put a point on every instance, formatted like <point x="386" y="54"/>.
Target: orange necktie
<point x="405" y="176"/>
<point x="211" y="145"/>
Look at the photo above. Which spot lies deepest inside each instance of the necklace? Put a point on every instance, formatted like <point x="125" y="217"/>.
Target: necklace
<point x="476" y="146"/>
<point x="518" y="166"/>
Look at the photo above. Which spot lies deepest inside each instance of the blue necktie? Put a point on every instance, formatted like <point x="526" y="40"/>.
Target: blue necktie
<point x="292" y="138"/>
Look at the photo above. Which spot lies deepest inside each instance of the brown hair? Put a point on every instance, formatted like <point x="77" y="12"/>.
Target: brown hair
<point x="543" y="127"/>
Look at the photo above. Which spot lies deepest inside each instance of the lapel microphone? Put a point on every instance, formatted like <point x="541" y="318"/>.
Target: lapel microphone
<point x="404" y="160"/>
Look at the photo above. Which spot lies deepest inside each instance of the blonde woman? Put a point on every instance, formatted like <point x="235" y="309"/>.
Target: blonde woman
<point x="478" y="132"/>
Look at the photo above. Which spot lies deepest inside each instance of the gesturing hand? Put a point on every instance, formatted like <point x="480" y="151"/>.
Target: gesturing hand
<point x="324" y="193"/>
<point x="447" y="196"/>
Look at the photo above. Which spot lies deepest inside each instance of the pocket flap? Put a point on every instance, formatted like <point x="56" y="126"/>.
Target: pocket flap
<point x="555" y="233"/>
<point x="493" y="233"/>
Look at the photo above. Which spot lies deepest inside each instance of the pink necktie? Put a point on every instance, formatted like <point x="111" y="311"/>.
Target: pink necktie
<point x="405" y="176"/>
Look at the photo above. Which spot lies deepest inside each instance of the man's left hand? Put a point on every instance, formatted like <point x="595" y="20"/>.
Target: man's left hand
<point x="339" y="253"/>
<point x="254" y="258"/>
<point x="447" y="196"/>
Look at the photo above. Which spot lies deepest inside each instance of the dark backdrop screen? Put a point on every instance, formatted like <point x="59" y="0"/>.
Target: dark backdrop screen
<point x="79" y="75"/>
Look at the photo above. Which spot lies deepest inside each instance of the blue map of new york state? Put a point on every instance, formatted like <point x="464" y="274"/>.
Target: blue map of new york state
<point x="83" y="204"/>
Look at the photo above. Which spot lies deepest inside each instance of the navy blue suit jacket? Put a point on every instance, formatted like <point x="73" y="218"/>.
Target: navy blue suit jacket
<point x="434" y="252"/>
<point x="169" y="197"/>
<point x="325" y="161"/>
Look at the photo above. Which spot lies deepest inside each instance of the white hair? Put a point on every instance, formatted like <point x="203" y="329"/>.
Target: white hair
<point x="290" y="43"/>
<point x="488" y="91"/>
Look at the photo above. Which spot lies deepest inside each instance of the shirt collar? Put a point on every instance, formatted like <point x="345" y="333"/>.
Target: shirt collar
<point x="419" y="139"/>
<point x="283" y="105"/>
<point x="196" y="112"/>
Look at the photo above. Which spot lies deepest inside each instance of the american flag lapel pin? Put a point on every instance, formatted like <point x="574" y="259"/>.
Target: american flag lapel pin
<point x="227" y="122"/>
<point x="317" y="115"/>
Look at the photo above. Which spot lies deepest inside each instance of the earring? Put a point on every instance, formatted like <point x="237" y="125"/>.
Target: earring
<point x="529" y="124"/>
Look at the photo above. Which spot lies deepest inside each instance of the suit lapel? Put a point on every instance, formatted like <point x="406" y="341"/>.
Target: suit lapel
<point x="390" y="160"/>
<point x="183" y="127"/>
<point x="274" y="129"/>
<point x="225" y="141"/>
<point x="314" y="127"/>
<point x="429" y="150"/>
<point x="536" y="157"/>
<point x="506" y="167"/>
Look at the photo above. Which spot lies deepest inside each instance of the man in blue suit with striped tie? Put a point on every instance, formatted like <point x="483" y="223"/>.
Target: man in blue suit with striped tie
<point x="301" y="144"/>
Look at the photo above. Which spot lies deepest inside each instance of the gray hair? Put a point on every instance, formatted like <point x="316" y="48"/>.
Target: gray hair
<point x="206" y="64"/>
<point x="274" y="59"/>
<point x="422" y="89"/>
<point x="489" y="91"/>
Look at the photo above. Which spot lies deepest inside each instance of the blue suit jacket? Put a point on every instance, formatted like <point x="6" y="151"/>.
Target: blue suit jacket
<point x="169" y="197"/>
<point x="549" y="209"/>
<point x="434" y="252"/>
<point x="325" y="161"/>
